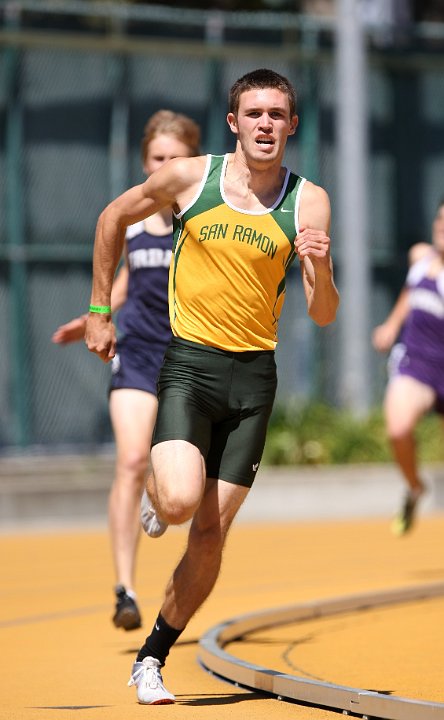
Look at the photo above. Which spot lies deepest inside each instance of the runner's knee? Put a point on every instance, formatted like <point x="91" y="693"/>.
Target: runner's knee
<point x="176" y="507"/>
<point x="133" y="465"/>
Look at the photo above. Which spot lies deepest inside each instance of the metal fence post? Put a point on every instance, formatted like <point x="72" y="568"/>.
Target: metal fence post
<point x="352" y="136"/>
<point x="15" y="210"/>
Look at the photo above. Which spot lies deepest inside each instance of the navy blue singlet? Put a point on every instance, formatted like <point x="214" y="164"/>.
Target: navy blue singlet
<point x="145" y="312"/>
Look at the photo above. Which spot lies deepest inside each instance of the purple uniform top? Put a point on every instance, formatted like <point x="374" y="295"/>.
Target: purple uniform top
<point x="419" y="353"/>
<point x="423" y="331"/>
<point x="144" y="316"/>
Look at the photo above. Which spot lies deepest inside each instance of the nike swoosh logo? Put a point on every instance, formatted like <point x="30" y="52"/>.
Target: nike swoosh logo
<point x="284" y="210"/>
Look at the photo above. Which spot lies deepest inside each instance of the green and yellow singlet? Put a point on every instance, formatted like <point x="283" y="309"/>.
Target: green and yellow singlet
<point x="227" y="275"/>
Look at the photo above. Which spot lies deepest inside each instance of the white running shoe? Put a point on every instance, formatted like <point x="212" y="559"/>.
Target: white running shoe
<point x="147" y="677"/>
<point x="150" y="522"/>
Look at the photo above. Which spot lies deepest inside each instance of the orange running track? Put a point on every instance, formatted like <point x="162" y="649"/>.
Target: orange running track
<point x="63" y="659"/>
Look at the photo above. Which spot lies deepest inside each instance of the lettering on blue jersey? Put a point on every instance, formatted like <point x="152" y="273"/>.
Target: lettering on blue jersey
<point x="427" y="301"/>
<point x="149" y="258"/>
<point x="213" y="232"/>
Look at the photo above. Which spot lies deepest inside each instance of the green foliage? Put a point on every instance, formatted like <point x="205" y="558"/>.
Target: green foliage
<point x="321" y="434"/>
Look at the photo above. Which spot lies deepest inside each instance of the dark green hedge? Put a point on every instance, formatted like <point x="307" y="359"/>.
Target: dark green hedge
<point x="320" y="434"/>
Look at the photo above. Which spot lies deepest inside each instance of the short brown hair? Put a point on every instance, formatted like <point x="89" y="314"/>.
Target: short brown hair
<point x="167" y="122"/>
<point x="261" y="79"/>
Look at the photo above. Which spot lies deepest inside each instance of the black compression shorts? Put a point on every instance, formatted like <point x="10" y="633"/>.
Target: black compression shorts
<point x="219" y="401"/>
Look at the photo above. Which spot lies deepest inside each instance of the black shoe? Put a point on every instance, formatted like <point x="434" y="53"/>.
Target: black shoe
<point x="403" y="522"/>
<point x="127" y="615"/>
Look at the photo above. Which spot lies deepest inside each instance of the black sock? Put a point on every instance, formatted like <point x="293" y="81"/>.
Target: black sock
<point x="158" y="644"/>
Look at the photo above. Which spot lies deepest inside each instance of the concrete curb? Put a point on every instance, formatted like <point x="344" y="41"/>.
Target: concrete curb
<point x="67" y="490"/>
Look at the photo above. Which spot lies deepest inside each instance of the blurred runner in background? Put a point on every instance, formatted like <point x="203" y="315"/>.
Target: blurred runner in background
<point x="140" y="291"/>
<point x="414" y="331"/>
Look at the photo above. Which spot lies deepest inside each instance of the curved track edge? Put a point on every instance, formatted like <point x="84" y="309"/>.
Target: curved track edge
<point x="348" y="699"/>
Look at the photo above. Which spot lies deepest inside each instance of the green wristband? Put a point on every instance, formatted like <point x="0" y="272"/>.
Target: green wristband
<point x="101" y="309"/>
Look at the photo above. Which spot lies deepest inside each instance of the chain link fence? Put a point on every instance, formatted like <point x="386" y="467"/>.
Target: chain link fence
<point x="72" y="110"/>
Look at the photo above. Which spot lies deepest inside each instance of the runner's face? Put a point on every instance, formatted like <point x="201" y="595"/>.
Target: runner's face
<point x="263" y="124"/>
<point x="438" y="230"/>
<point x="161" y="149"/>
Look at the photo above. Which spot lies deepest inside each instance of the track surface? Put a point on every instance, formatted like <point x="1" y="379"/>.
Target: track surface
<point x="63" y="659"/>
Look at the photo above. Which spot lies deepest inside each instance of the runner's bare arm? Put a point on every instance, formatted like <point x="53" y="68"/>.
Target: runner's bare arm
<point x="119" y="290"/>
<point x="313" y="247"/>
<point x="384" y="335"/>
<point x="170" y="186"/>
<point x="74" y="330"/>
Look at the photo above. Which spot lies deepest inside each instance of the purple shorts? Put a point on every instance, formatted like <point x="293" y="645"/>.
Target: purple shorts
<point x="419" y="368"/>
<point x="136" y="365"/>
